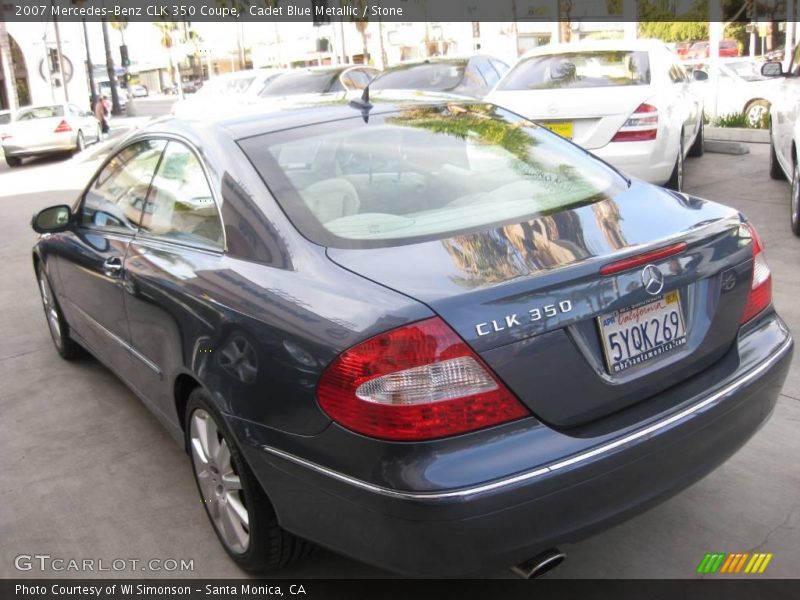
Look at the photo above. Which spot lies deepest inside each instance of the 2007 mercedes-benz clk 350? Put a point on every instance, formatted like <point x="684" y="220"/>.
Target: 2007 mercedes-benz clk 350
<point x="427" y="334"/>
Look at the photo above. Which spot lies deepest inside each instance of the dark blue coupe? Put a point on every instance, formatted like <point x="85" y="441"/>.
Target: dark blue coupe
<point x="425" y="333"/>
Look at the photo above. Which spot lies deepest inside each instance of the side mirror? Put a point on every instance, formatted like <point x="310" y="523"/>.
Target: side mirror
<point x="52" y="219"/>
<point x="772" y="68"/>
<point x="699" y="75"/>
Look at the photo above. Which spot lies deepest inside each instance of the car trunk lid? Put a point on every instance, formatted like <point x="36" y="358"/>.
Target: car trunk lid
<point x="486" y="284"/>
<point x="591" y="124"/>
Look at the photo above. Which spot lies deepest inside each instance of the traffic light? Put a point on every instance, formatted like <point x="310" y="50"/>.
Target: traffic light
<point x="52" y="54"/>
<point x="124" y="59"/>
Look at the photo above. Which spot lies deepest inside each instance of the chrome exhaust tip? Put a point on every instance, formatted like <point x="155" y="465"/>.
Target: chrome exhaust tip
<point x="539" y="564"/>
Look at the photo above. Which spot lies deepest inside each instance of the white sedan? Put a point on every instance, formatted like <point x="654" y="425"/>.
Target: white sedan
<point x="628" y="102"/>
<point x="784" y="130"/>
<point x="48" y="129"/>
<point x="219" y="93"/>
<point x="740" y="88"/>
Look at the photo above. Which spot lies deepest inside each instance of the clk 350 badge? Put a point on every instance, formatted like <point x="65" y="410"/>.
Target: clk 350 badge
<point x="515" y="320"/>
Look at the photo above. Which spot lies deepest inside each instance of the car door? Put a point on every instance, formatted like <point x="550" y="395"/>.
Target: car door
<point x="684" y="103"/>
<point x="785" y="111"/>
<point x="86" y="122"/>
<point x="92" y="258"/>
<point x="172" y="262"/>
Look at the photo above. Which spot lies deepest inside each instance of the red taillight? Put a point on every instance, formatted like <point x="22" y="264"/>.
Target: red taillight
<point x="641" y="259"/>
<point x="417" y="382"/>
<point x="760" y="295"/>
<point x="4" y="137"/>
<point x="642" y="125"/>
<point x="63" y="127"/>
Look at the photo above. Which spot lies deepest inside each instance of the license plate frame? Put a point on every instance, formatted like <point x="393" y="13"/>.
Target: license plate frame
<point x="652" y="340"/>
<point x="563" y="128"/>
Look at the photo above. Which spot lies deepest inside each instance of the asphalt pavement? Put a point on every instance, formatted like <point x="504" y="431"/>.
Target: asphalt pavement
<point x="88" y="472"/>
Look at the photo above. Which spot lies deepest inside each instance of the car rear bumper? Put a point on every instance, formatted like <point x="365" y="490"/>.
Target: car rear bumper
<point x="643" y="160"/>
<point x="501" y="522"/>
<point x="61" y="145"/>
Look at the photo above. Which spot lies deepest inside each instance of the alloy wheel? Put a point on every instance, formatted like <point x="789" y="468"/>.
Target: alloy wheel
<point x="50" y="309"/>
<point x="81" y="145"/>
<point x="219" y="483"/>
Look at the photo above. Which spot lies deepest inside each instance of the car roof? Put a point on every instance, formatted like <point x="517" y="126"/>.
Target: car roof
<point x="269" y="116"/>
<point x="592" y="45"/>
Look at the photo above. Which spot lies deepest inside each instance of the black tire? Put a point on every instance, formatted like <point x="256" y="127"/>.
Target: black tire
<point x="269" y="546"/>
<point x="66" y="347"/>
<point x="697" y="146"/>
<point x="675" y="181"/>
<point x="794" y="204"/>
<point x="775" y="170"/>
<point x="759" y="109"/>
<point x="13" y="161"/>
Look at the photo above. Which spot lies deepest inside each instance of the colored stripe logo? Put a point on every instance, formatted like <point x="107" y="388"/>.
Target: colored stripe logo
<point x="737" y="562"/>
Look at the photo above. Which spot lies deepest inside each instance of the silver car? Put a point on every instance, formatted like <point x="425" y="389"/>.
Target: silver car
<point x="48" y="129"/>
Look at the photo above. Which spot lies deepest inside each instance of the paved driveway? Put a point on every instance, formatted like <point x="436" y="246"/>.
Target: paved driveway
<point x="87" y="472"/>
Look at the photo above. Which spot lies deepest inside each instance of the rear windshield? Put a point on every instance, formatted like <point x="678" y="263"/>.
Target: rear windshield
<point x="299" y="83"/>
<point x="438" y="77"/>
<point x="579" y="70"/>
<point x="5" y="119"/>
<point x="423" y="173"/>
<point x="40" y="112"/>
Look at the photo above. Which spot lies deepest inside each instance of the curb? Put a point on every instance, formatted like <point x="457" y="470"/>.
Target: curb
<point x="725" y="147"/>
<point x="737" y="134"/>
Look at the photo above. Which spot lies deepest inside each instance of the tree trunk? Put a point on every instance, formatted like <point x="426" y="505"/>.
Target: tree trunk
<point x="112" y="76"/>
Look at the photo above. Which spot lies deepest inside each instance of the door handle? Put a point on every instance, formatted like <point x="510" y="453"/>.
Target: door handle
<point x="112" y="265"/>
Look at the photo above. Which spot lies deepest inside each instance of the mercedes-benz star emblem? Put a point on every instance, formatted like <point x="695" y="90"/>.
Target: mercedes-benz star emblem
<point x="653" y="280"/>
<point x="728" y="280"/>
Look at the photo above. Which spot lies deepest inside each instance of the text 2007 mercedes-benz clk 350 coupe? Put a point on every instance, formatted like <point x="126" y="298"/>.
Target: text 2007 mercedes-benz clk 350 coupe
<point x="425" y="333"/>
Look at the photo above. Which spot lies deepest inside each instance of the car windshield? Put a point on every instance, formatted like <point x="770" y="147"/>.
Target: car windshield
<point x="306" y="82"/>
<point x="423" y="173"/>
<point x="747" y="70"/>
<point x="40" y="112"/>
<point x="602" y="68"/>
<point x="436" y="76"/>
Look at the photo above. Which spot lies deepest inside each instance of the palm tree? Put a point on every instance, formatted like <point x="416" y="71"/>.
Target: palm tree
<point x="166" y="28"/>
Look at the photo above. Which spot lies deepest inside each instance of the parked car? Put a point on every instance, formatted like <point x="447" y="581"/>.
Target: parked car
<point x="472" y="77"/>
<point x="727" y="48"/>
<point x="682" y="49"/>
<point x="221" y="92"/>
<point x="429" y="335"/>
<point x="122" y="96"/>
<point x="628" y="102"/>
<point x="740" y="88"/>
<point x="48" y="129"/>
<point x="138" y="90"/>
<point x="784" y="130"/>
<point x="320" y="80"/>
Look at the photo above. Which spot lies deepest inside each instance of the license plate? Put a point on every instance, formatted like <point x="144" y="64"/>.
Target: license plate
<point x="562" y="128"/>
<point x="643" y="332"/>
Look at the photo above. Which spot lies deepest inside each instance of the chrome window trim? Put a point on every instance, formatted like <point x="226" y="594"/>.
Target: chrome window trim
<point x="528" y="475"/>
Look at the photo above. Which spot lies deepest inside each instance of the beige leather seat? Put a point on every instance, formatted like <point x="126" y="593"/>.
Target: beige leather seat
<point x="331" y="199"/>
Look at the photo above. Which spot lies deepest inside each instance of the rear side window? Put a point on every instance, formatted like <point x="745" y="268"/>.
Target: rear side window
<point x="436" y="76"/>
<point x="180" y="205"/>
<point x="487" y="71"/>
<point x="40" y="112"/>
<point x="579" y="70"/>
<point x="116" y="197"/>
<point x="304" y="82"/>
<point x="423" y="173"/>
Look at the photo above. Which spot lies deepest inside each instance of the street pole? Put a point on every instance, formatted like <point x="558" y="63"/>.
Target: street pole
<point x="112" y="77"/>
<point x="89" y="66"/>
<point x="61" y="59"/>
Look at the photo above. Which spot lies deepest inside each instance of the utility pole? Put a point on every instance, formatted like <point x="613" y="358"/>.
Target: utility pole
<point x="89" y="66"/>
<point x="112" y="77"/>
<point x="60" y="58"/>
